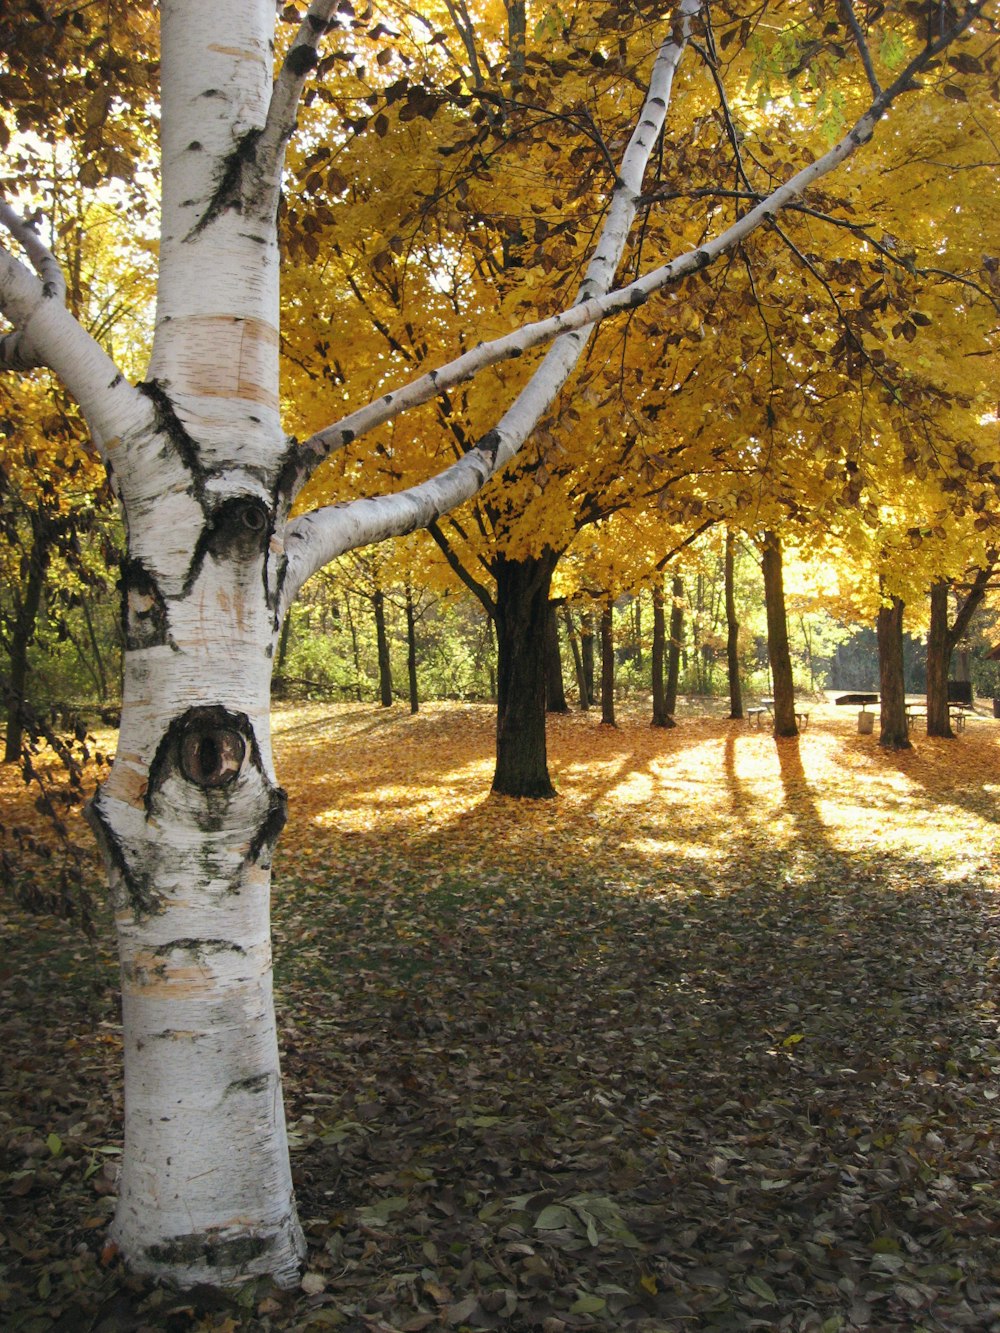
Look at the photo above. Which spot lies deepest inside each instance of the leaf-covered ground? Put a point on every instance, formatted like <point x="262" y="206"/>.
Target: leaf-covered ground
<point x="710" y="1042"/>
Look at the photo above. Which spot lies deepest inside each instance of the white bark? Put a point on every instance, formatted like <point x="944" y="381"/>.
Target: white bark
<point x="216" y="340"/>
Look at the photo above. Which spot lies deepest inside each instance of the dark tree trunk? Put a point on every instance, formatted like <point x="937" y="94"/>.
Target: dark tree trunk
<point x="517" y="39"/>
<point x="732" y="630"/>
<point x="581" y="679"/>
<point x="661" y="718"/>
<point x="939" y="649"/>
<point x="522" y="605"/>
<point x="608" y="667"/>
<point x="587" y="652"/>
<point x="411" y="651"/>
<point x="23" y="632"/>
<point x="674" y="645"/>
<point x="555" y="694"/>
<point x="892" y="688"/>
<point x="95" y="648"/>
<point x="942" y="641"/>
<point x="778" y="652"/>
<point x="381" y="638"/>
<point x="283" y="639"/>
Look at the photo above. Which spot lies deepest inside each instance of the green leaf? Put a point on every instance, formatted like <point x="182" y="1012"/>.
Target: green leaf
<point x="54" y="1144"/>
<point x="587" y="1304"/>
<point x="762" y="1289"/>
<point x="553" y="1218"/>
<point x="377" y="1214"/>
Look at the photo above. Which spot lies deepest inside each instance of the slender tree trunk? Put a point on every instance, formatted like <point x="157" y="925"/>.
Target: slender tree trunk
<point x="674" y="644"/>
<point x="777" y="638"/>
<point x="608" y="666"/>
<point x="411" y="651"/>
<point x="581" y="680"/>
<point x="942" y="641"/>
<point x="101" y="674"/>
<point x="23" y="633"/>
<point x="283" y="639"/>
<point x="587" y="652"/>
<point x="555" y="694"/>
<point x="85" y="660"/>
<point x="516" y="36"/>
<point x="492" y="656"/>
<point x="939" y="649"/>
<point x="382" y="642"/>
<point x="732" y="630"/>
<point x="355" y="650"/>
<point x="661" y="718"/>
<point x="522" y="603"/>
<point x="892" y="688"/>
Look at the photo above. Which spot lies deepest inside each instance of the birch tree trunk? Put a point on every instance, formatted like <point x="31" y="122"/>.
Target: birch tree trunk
<point x="190" y="812"/>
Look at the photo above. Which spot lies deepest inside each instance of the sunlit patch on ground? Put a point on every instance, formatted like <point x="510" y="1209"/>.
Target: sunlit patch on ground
<point x="710" y="1041"/>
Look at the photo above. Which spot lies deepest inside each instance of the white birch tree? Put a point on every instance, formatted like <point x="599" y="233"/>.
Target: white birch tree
<point x="206" y="478"/>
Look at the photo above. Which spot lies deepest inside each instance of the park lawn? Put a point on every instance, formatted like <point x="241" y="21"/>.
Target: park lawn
<point x="708" y="1042"/>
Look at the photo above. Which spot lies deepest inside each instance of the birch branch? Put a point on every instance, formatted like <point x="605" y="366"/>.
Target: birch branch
<point x="298" y="65"/>
<point x="46" y="334"/>
<point x="317" y="538"/>
<point x="16" y="350"/>
<point x="468" y="475"/>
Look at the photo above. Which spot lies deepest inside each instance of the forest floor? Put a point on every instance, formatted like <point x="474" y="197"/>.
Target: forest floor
<point x="709" y="1042"/>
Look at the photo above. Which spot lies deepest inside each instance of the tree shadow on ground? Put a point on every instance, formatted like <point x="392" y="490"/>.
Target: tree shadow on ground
<point x="672" y="1052"/>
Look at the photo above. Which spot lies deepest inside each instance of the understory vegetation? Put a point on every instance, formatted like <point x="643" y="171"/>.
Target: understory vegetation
<point x="708" y="1042"/>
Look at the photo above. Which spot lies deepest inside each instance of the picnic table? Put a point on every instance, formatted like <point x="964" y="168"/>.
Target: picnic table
<point x="857" y="700"/>
<point x="915" y="708"/>
<point x="754" y="715"/>
<point x="957" y="713"/>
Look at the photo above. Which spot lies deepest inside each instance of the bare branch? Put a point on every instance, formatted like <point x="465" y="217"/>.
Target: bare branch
<point x="43" y="261"/>
<point x="861" y="43"/>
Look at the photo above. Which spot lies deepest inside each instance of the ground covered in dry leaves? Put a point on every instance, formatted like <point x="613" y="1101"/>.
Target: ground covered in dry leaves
<point x="709" y="1042"/>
